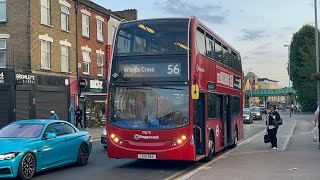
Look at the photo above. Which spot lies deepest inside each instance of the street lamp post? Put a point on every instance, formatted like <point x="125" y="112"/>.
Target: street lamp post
<point x="289" y="76"/>
<point x="317" y="50"/>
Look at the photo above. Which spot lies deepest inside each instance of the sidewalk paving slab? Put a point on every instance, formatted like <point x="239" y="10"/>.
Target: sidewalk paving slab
<point x="299" y="161"/>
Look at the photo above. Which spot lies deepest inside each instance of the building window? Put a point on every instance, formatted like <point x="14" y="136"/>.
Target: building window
<point x="45" y="55"/>
<point x="65" y="14"/>
<point x="100" y="64"/>
<point x="85" y="25"/>
<point x="3" y="61"/>
<point x="3" y="10"/>
<point x="45" y="12"/>
<point x="86" y="62"/>
<point x="65" y="62"/>
<point x="99" y="30"/>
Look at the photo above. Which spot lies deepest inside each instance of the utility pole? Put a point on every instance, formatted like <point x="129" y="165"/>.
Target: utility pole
<point x="317" y="51"/>
<point x="289" y="70"/>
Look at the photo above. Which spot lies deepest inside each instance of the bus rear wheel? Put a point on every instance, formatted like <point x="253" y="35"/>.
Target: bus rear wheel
<point x="235" y="141"/>
<point x="211" y="148"/>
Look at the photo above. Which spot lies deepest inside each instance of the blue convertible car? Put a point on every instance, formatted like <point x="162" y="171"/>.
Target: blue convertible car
<point x="30" y="146"/>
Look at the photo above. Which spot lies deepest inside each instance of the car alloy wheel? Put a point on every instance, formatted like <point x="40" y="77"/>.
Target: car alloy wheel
<point x="27" y="166"/>
<point x="83" y="155"/>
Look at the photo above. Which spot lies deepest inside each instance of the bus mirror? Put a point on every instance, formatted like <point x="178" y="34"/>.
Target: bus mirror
<point x="195" y="91"/>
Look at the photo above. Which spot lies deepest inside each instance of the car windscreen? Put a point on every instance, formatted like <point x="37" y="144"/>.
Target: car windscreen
<point x="246" y="112"/>
<point x="21" y="130"/>
<point x="255" y="110"/>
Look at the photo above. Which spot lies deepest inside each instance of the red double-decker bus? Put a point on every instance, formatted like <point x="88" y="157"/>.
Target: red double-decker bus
<point x="175" y="91"/>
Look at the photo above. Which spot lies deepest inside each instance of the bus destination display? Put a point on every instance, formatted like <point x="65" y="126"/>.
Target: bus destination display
<point x="150" y="70"/>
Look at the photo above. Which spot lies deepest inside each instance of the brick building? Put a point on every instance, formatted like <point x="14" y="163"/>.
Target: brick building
<point x="46" y="46"/>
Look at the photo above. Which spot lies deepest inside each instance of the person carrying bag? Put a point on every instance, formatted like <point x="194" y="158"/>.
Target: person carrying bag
<point x="316" y="128"/>
<point x="273" y="121"/>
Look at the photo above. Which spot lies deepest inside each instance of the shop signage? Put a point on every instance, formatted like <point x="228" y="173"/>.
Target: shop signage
<point x="96" y="85"/>
<point x="7" y="77"/>
<point x="1" y="78"/>
<point x="83" y="83"/>
<point x="25" y="79"/>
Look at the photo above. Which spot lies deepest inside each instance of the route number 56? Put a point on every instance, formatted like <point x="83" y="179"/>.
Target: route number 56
<point x="173" y="69"/>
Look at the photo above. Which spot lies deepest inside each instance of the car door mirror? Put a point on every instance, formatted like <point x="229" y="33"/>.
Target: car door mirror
<point x="50" y="136"/>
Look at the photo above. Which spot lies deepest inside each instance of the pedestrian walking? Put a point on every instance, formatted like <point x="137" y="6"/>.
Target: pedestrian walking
<point x="54" y="116"/>
<point x="78" y="113"/>
<point x="273" y="121"/>
<point x="316" y="123"/>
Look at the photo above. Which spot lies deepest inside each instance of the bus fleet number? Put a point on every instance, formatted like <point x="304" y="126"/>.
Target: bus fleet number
<point x="173" y="69"/>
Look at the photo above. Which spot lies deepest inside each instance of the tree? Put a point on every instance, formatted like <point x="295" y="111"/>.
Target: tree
<point x="303" y="66"/>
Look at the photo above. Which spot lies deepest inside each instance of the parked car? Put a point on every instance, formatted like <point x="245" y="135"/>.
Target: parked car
<point x="247" y="116"/>
<point x="263" y="110"/>
<point x="256" y="113"/>
<point x="31" y="146"/>
<point x="104" y="139"/>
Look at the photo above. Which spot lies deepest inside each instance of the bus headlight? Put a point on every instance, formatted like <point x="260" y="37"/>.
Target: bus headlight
<point x="180" y="140"/>
<point x="115" y="139"/>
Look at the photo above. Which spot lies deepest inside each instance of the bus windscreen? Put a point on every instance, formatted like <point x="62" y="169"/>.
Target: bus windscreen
<point x="149" y="107"/>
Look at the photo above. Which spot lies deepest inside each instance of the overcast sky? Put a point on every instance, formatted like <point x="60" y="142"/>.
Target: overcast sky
<point x="256" y="28"/>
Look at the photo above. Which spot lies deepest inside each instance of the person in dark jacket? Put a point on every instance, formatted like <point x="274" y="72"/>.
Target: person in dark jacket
<point x="272" y="122"/>
<point x="78" y="113"/>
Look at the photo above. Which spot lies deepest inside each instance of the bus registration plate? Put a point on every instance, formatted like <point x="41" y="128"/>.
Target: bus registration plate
<point x="147" y="156"/>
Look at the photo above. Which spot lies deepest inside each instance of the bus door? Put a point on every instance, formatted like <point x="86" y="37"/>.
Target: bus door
<point x="200" y="124"/>
<point x="227" y="123"/>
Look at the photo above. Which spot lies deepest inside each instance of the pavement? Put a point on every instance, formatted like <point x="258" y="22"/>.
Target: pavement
<point x="95" y="132"/>
<point x="297" y="158"/>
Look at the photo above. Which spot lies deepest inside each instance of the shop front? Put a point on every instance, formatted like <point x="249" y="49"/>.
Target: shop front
<point x="37" y="95"/>
<point x="7" y="96"/>
<point x="93" y="101"/>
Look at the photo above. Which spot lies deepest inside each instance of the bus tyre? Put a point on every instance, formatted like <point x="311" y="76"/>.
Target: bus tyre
<point x="211" y="148"/>
<point x="235" y="141"/>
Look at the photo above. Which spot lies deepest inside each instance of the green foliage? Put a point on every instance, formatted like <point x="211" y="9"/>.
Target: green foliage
<point x="303" y="65"/>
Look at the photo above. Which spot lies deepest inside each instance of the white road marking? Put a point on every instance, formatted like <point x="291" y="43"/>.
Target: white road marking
<point x="220" y="157"/>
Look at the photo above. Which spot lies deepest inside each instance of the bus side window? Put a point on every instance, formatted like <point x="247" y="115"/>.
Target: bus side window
<point x="201" y="42"/>
<point x="218" y="51"/>
<point x="209" y="46"/>
<point x="226" y="56"/>
<point x="234" y="61"/>
<point x="219" y="106"/>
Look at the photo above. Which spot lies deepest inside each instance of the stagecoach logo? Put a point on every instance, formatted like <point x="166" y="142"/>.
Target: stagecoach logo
<point x="138" y="136"/>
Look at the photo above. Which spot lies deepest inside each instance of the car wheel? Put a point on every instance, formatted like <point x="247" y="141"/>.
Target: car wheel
<point x="105" y="147"/>
<point x="211" y="148"/>
<point x="27" y="166"/>
<point x="83" y="155"/>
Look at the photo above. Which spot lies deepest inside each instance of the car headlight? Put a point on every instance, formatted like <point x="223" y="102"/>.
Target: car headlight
<point x="8" y="156"/>
<point x="258" y="114"/>
<point x="104" y="132"/>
